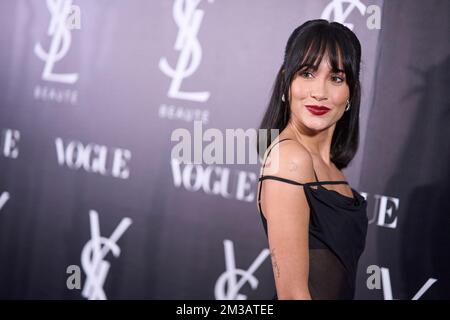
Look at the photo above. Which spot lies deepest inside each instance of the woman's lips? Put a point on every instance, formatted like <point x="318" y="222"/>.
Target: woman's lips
<point x="317" y="110"/>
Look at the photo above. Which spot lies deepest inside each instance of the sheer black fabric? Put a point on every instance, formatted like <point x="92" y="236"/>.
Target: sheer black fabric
<point x="337" y="236"/>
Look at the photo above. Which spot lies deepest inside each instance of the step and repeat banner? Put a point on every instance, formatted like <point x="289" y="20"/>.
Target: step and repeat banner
<point x="93" y="204"/>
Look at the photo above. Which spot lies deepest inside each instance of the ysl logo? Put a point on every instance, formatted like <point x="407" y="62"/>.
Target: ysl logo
<point x="188" y="22"/>
<point x="60" y="43"/>
<point x="387" y="288"/>
<point x="94" y="266"/>
<point x="336" y="7"/>
<point x="228" y="278"/>
<point x="3" y="198"/>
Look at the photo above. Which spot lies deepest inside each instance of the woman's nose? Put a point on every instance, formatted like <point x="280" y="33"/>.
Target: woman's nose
<point x="318" y="90"/>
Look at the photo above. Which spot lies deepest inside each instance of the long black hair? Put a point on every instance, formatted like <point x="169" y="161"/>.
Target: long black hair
<point x="306" y="46"/>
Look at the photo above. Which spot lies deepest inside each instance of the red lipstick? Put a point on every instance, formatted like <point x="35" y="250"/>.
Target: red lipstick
<point x="317" y="110"/>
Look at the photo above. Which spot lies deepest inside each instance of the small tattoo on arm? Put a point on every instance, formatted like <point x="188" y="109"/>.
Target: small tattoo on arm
<point x="293" y="165"/>
<point x="274" y="263"/>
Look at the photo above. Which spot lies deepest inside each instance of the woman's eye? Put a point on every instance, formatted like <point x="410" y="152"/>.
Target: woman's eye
<point x="337" y="79"/>
<point x="307" y="74"/>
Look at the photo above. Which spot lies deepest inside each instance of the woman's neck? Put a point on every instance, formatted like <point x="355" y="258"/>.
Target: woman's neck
<point x="318" y="143"/>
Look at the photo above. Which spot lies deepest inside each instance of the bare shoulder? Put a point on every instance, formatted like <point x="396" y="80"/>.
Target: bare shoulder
<point x="290" y="159"/>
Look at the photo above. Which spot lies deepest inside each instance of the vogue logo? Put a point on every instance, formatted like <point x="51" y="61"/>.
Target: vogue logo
<point x="10" y="143"/>
<point x="214" y="180"/>
<point x="188" y="19"/>
<point x="93" y="254"/>
<point x="385" y="211"/>
<point x="93" y="158"/>
<point x="227" y="285"/>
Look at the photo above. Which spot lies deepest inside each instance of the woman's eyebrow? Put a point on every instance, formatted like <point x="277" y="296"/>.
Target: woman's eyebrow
<point x="309" y="67"/>
<point x="337" y="70"/>
<point x="316" y="67"/>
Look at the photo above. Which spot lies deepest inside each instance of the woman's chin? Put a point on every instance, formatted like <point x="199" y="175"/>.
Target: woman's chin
<point x="317" y="125"/>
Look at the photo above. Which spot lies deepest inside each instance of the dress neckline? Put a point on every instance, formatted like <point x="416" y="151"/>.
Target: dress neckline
<point x="340" y="194"/>
<point x="345" y="201"/>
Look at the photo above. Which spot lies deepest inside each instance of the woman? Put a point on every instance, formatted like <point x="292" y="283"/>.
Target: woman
<point x="315" y="222"/>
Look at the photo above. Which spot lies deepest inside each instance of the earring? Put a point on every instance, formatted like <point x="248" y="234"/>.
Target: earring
<point x="282" y="98"/>
<point x="348" y="106"/>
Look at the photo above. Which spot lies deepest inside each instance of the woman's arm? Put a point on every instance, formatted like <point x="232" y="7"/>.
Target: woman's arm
<point x="287" y="213"/>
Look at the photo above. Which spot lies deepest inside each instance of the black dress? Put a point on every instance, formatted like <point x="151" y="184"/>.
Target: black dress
<point x="337" y="236"/>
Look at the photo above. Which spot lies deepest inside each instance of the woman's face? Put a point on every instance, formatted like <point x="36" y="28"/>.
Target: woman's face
<point x="322" y="88"/>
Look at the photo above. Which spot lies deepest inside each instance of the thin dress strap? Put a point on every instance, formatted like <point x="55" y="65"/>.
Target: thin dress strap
<point x="315" y="175"/>
<point x="317" y="180"/>
<point x="263" y="177"/>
